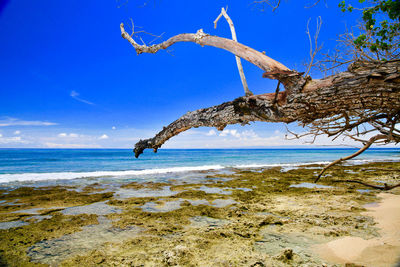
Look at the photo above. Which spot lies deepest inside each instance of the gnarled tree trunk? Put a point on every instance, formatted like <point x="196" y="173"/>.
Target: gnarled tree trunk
<point x="368" y="92"/>
<point x="365" y="86"/>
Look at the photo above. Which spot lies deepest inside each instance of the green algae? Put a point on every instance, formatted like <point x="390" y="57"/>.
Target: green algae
<point x="147" y="185"/>
<point x="14" y="242"/>
<point x="46" y="199"/>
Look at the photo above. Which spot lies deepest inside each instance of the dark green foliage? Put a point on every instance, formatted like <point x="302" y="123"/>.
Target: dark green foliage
<point x="381" y="22"/>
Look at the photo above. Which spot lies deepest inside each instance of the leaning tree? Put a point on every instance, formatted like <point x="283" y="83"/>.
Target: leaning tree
<point x="362" y="102"/>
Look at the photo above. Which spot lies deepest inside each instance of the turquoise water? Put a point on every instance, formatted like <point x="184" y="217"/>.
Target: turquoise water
<point x="63" y="164"/>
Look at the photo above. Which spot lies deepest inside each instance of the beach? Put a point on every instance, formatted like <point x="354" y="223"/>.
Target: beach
<point x="253" y="215"/>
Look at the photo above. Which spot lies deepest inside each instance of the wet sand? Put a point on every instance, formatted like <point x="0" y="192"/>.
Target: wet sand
<point x="378" y="251"/>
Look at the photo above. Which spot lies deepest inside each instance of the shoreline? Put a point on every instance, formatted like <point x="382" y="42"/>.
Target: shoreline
<point x="271" y="216"/>
<point x="32" y="177"/>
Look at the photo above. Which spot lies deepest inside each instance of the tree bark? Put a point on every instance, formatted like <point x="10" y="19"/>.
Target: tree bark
<point x="364" y="86"/>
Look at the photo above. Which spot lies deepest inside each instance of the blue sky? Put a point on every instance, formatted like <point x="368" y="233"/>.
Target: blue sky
<point x="68" y="79"/>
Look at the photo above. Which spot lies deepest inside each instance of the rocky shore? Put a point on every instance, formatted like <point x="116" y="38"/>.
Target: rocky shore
<point x="254" y="217"/>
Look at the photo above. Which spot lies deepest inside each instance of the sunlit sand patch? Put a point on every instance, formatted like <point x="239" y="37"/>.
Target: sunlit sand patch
<point x="379" y="251"/>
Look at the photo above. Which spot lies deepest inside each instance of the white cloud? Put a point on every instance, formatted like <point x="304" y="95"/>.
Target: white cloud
<point x="57" y="145"/>
<point x="70" y="135"/>
<point x="17" y="132"/>
<point x="103" y="137"/>
<point x="211" y="132"/>
<point x="113" y="128"/>
<point x="17" y="122"/>
<point x="75" y="95"/>
<point x="12" y="140"/>
<point x="249" y="134"/>
<point x="230" y="132"/>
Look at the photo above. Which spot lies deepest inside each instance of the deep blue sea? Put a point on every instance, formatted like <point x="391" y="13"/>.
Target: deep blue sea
<point x="39" y="165"/>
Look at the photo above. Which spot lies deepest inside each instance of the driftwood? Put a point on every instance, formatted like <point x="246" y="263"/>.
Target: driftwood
<point x="385" y="186"/>
<point x="368" y="92"/>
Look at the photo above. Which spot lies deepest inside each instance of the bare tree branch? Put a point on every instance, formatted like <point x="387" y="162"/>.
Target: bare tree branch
<point x="319" y="102"/>
<point x="253" y="56"/>
<point x="365" y="147"/>
<point x="385" y="186"/>
<point x="274" y="6"/>
<point x="317" y="48"/>
<point x="234" y="38"/>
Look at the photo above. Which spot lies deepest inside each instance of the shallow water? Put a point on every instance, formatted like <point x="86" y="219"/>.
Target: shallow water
<point x="364" y="190"/>
<point x="124" y="193"/>
<point x="204" y="221"/>
<point x="215" y="190"/>
<point x="310" y="185"/>
<point x="98" y="208"/>
<point x="174" y="205"/>
<point x="52" y="166"/>
<point x="91" y="237"/>
<point x="8" y="225"/>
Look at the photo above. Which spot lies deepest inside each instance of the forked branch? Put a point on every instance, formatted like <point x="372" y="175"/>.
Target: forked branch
<point x="251" y="55"/>
<point x="234" y="38"/>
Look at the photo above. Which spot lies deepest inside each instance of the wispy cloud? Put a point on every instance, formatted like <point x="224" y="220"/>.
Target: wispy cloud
<point x="211" y="132"/>
<point x="103" y="137"/>
<point x="71" y="135"/>
<point x="75" y="95"/>
<point x="12" y="140"/>
<point x="57" y="145"/>
<point x="227" y="132"/>
<point x="17" y="122"/>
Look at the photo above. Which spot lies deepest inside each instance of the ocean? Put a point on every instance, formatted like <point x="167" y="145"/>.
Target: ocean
<point x="60" y="166"/>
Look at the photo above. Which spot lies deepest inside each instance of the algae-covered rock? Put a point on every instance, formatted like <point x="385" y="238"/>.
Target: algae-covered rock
<point x="253" y="217"/>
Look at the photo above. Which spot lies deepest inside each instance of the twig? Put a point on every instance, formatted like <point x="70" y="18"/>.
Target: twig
<point x="274" y="7"/>
<point x="238" y="61"/>
<point x="365" y="147"/>
<point x="384" y="187"/>
<point x="313" y="52"/>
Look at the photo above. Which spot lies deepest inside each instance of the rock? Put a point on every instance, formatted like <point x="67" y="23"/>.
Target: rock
<point x="285" y="255"/>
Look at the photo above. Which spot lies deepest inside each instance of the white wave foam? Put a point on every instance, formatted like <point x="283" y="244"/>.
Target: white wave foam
<point x="279" y="165"/>
<point x="22" y="177"/>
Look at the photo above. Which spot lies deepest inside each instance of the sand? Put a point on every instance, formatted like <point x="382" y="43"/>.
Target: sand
<point x="379" y="251"/>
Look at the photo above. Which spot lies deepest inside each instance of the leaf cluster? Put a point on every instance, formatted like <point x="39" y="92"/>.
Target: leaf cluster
<point x="381" y="22"/>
